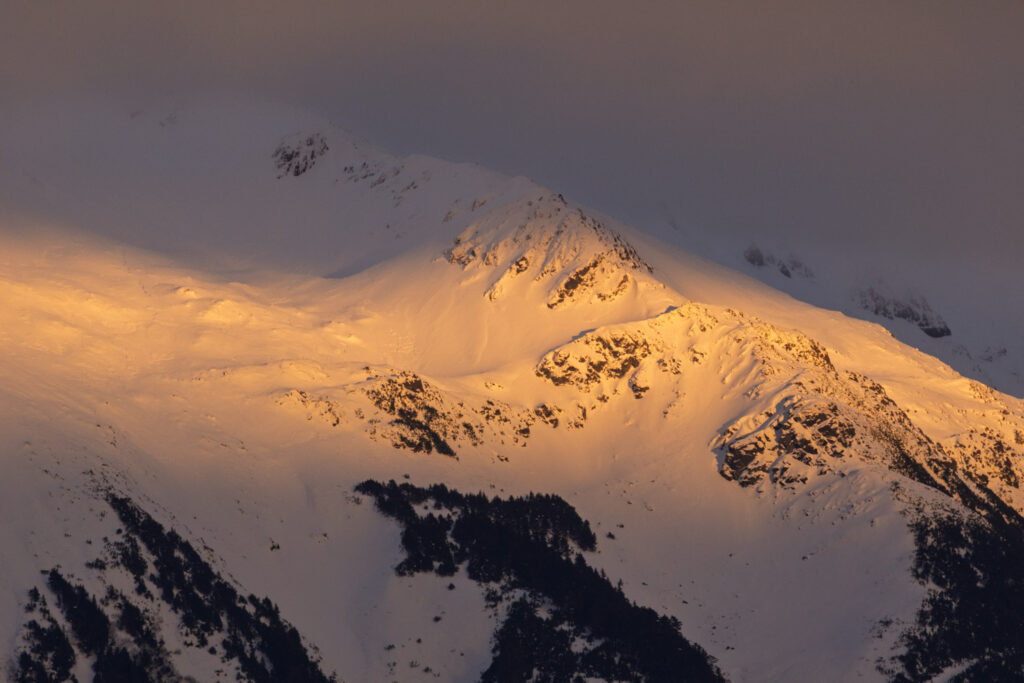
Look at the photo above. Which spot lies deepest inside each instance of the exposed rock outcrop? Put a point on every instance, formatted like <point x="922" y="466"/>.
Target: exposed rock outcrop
<point x="298" y="154"/>
<point x="914" y="309"/>
<point x="575" y="257"/>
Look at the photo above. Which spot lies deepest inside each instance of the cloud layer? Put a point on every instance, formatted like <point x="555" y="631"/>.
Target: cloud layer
<point x="893" y="129"/>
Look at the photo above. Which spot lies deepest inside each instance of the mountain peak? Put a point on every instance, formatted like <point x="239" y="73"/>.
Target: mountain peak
<point x="548" y="243"/>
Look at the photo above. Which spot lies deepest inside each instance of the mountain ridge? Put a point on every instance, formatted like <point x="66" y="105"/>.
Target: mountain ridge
<point x="719" y="436"/>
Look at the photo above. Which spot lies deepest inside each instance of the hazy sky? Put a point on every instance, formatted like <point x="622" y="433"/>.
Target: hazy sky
<point x="877" y="125"/>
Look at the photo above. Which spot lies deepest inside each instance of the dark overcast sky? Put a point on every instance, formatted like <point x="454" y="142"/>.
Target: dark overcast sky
<point x="888" y="127"/>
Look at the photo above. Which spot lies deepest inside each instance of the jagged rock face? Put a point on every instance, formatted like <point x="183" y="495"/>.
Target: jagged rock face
<point x="419" y="419"/>
<point x="413" y="414"/>
<point x="992" y="451"/>
<point x="914" y="310"/>
<point x="836" y="419"/>
<point x="976" y="467"/>
<point x="601" y="361"/>
<point x="409" y="412"/>
<point x="788" y="267"/>
<point x="666" y="348"/>
<point x="610" y="356"/>
<point x="299" y="153"/>
<point x="807" y="432"/>
<point x="796" y="440"/>
<point x="321" y="407"/>
<point x="544" y="241"/>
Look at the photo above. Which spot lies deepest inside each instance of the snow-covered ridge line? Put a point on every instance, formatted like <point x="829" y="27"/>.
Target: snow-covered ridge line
<point x="976" y="332"/>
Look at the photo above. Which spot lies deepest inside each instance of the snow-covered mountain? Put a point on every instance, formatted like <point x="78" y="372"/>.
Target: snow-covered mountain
<point x="979" y="335"/>
<point x="277" y="405"/>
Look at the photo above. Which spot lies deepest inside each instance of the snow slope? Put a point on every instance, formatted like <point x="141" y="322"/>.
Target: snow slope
<point x="976" y="328"/>
<point x="236" y="313"/>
